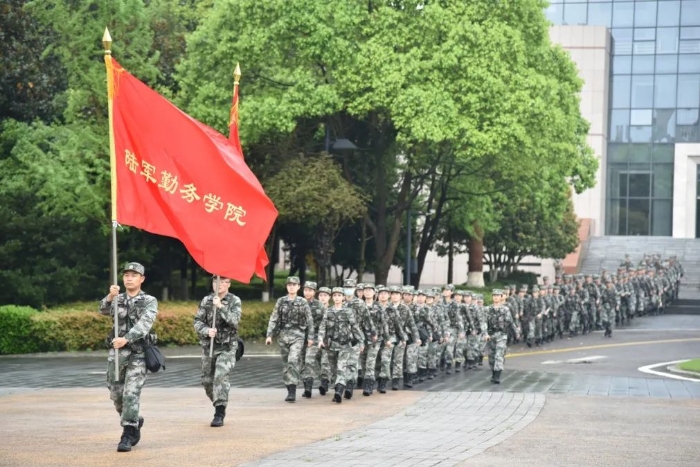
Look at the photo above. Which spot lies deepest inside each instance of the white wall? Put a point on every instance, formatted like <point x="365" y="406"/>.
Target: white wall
<point x="686" y="159"/>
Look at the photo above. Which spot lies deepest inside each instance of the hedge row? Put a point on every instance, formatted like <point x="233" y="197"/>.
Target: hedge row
<point x="80" y="327"/>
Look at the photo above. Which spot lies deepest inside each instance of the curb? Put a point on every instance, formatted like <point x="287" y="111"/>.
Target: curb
<point x="678" y="371"/>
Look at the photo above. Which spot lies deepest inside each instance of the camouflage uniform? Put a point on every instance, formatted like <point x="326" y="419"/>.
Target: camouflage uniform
<point x="426" y="328"/>
<point x="366" y="324"/>
<point x="370" y="355"/>
<point x="436" y="347"/>
<point x="312" y="355"/>
<point x="574" y="308"/>
<point x="474" y="334"/>
<point x="135" y="319"/>
<point x="610" y="304"/>
<point x="338" y="333"/>
<point x="453" y="327"/>
<point x="291" y="321"/>
<point x="461" y="340"/>
<point x="411" y="331"/>
<point x="397" y="338"/>
<point x="217" y="369"/>
<point x="498" y="319"/>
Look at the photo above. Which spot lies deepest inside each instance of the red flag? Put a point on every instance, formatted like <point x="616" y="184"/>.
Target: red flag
<point x="262" y="261"/>
<point x="178" y="177"/>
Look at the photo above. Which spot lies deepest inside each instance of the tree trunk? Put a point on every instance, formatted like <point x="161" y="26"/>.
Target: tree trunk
<point x="324" y="251"/>
<point x="363" y="245"/>
<point x="475" y="277"/>
<point x="450" y="255"/>
<point x="183" y="279"/>
<point x="273" y="249"/>
<point x="193" y="277"/>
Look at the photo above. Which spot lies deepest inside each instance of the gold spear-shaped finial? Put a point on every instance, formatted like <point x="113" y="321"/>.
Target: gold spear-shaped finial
<point x="107" y="42"/>
<point x="237" y="74"/>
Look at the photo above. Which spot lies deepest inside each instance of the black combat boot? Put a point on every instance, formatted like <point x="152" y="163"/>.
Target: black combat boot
<point x="308" y="386"/>
<point x="137" y="433"/>
<point x="338" y="397"/>
<point x="127" y="439"/>
<point x="431" y="373"/>
<point x="448" y="369"/>
<point x="219" y="415"/>
<point x="349" y="387"/>
<point x="481" y="360"/>
<point x="367" y="389"/>
<point x="381" y="386"/>
<point x="360" y="381"/>
<point x="408" y="382"/>
<point x="421" y="375"/>
<point x="395" y="384"/>
<point x="458" y="367"/>
<point x="291" y="393"/>
<point x="323" y="388"/>
<point x="496" y="378"/>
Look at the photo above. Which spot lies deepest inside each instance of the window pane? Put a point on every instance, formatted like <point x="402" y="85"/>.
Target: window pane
<point x="623" y="14"/>
<point x="690" y="33"/>
<point x="689" y="63"/>
<point x="666" y="63"/>
<point x="600" y="14"/>
<point x="639" y="155"/>
<point x="643" y="64"/>
<point x="667" y="40"/>
<point x="662" y="153"/>
<point x="644" y="34"/>
<point x="555" y="13"/>
<point x="622" y="64"/>
<point x="669" y="14"/>
<point x="664" y="130"/>
<point x="619" y="126"/>
<point x="640" y="117"/>
<point x="645" y="14"/>
<point x="661" y="217"/>
<point x="643" y="91"/>
<point x="618" y="153"/>
<point x="643" y="48"/>
<point x="690" y="13"/>
<point x="617" y="181"/>
<point x="575" y="13"/>
<point x="621" y="91"/>
<point x="665" y="91"/>
<point x="663" y="181"/>
<point x="688" y="91"/>
<point x="687" y="125"/>
<point x="617" y="217"/>
<point x="622" y="41"/>
<point x="640" y="134"/>
<point x="638" y="217"/>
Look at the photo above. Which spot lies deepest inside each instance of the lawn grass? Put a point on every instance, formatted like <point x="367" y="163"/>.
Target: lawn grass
<point x="691" y="365"/>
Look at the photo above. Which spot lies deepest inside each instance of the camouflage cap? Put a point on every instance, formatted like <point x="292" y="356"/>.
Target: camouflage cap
<point x="293" y="280"/>
<point x="420" y="292"/>
<point x="458" y="292"/>
<point x="407" y="289"/>
<point x="497" y="292"/>
<point x="479" y="296"/>
<point x="545" y="278"/>
<point x="338" y="290"/>
<point x="368" y="286"/>
<point x="134" y="267"/>
<point x="349" y="283"/>
<point x="596" y="276"/>
<point x="524" y="287"/>
<point x="382" y="288"/>
<point x="511" y="286"/>
<point x="449" y="287"/>
<point x="608" y="280"/>
<point x="310" y="285"/>
<point x="467" y="293"/>
<point x="556" y="288"/>
<point x="567" y="276"/>
<point x="535" y="289"/>
<point x="324" y="290"/>
<point x="430" y="293"/>
<point x="394" y="289"/>
<point x="360" y="286"/>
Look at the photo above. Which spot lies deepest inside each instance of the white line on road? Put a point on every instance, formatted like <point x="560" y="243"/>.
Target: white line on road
<point x="575" y="360"/>
<point x="648" y="369"/>
<point x="256" y="355"/>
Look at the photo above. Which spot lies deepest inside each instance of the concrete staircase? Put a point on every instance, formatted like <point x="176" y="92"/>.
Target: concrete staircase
<point x="609" y="252"/>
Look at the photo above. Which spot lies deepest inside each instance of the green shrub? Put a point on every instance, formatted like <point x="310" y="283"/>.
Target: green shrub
<point x="16" y="330"/>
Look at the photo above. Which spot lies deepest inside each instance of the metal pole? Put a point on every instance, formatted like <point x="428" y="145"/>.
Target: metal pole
<point x="217" y="281"/>
<point x="408" y="247"/>
<point x="114" y="300"/>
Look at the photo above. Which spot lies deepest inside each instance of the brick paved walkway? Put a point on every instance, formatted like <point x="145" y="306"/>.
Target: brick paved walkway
<point x="441" y="429"/>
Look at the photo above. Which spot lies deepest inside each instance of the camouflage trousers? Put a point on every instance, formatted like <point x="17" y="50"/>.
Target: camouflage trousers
<point x="609" y="316"/>
<point x="368" y="359"/>
<point x="339" y="360"/>
<point x="460" y="350"/>
<point x="216" y="371"/>
<point x="389" y="356"/>
<point x="354" y="363"/>
<point x="434" y="352"/>
<point x="559" y="324"/>
<point x="497" y="350"/>
<point x="473" y="346"/>
<point x="641" y="300"/>
<point x="397" y="361"/>
<point x="574" y="322"/>
<point x="126" y="392"/>
<point x="529" y="327"/>
<point x="548" y="326"/>
<point x="312" y="363"/>
<point x="449" y="346"/>
<point x="411" y="359"/>
<point x="539" y="327"/>
<point x="291" y="349"/>
<point x="423" y="352"/>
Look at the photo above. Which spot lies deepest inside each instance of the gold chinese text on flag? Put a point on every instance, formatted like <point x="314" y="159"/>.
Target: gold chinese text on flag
<point x="177" y="177"/>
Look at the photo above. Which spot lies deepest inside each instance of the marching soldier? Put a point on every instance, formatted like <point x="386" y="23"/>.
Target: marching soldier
<point x="369" y="357"/>
<point x="291" y="322"/>
<point x="498" y="321"/>
<point x="358" y="307"/>
<point x="136" y="312"/>
<point x="395" y="338"/>
<point x="216" y="369"/>
<point x="312" y="357"/>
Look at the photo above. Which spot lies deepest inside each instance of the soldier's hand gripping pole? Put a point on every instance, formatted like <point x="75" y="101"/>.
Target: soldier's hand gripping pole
<point x="217" y="280"/>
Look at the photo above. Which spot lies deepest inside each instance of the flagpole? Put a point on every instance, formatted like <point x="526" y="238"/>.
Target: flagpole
<point x="217" y="281"/>
<point x="107" y="43"/>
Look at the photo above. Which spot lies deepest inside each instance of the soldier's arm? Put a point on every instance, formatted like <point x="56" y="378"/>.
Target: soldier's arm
<point x="144" y="324"/>
<point x="322" y="328"/>
<point x="272" y="324"/>
<point x="511" y="323"/>
<point x="460" y="322"/>
<point x="356" y="330"/>
<point x="106" y="306"/>
<point x="372" y="328"/>
<point x="201" y="327"/>
<point x="412" y="326"/>
<point x="231" y="313"/>
<point x="309" y="321"/>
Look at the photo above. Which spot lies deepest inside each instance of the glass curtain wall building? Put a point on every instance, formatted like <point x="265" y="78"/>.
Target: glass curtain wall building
<point x="653" y="110"/>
